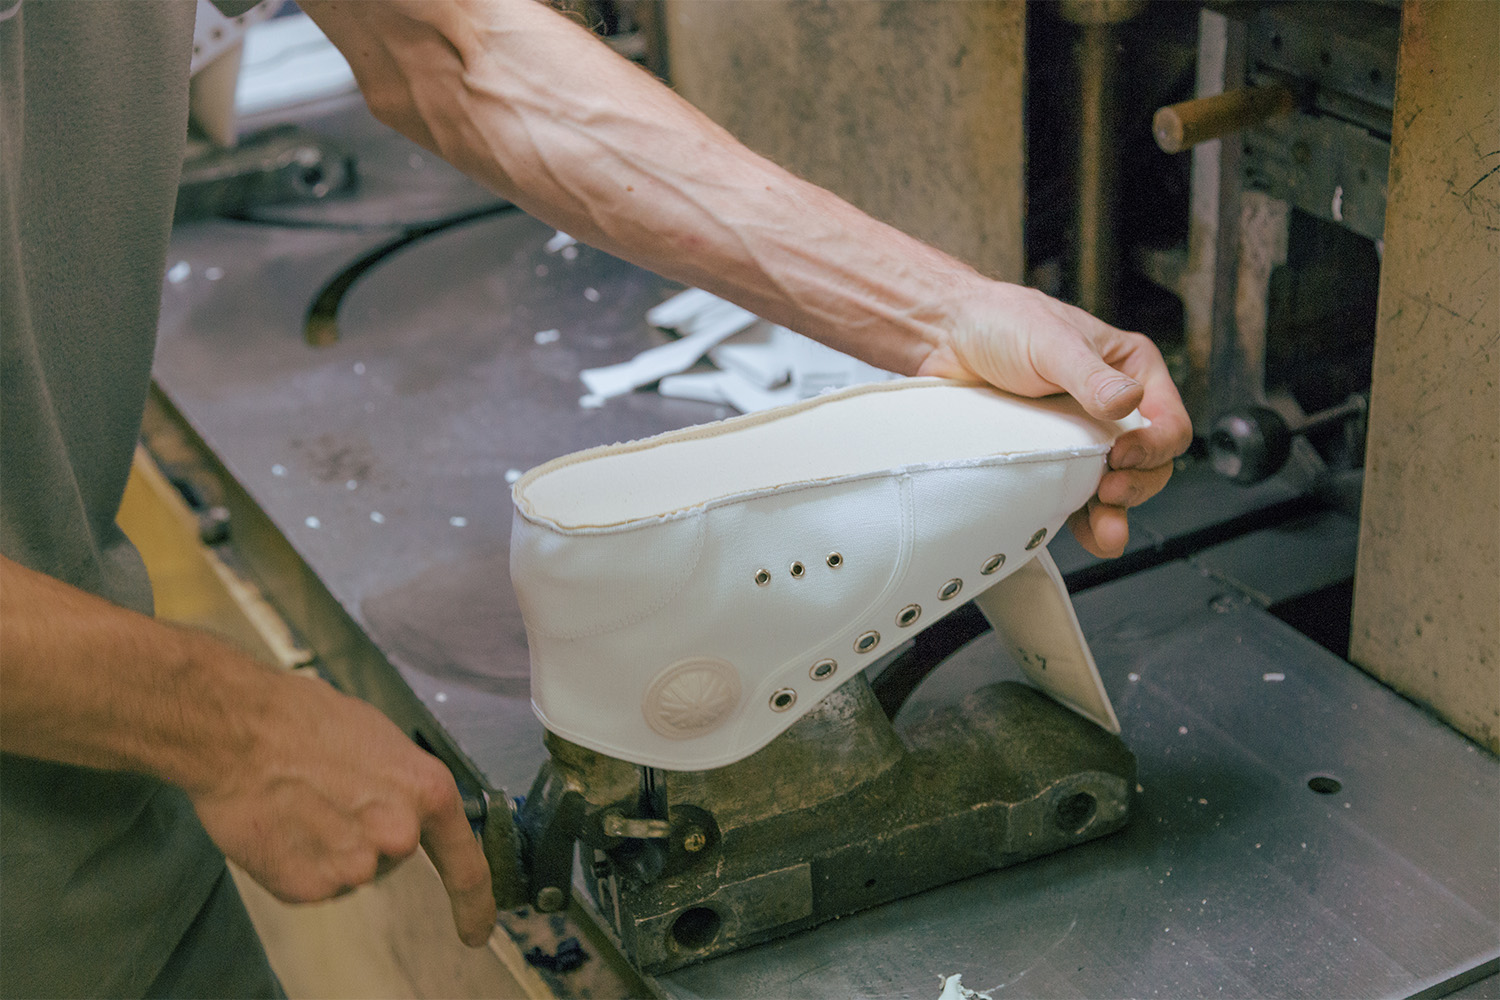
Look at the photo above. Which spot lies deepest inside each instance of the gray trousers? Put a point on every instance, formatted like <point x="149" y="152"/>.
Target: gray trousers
<point x="220" y="955"/>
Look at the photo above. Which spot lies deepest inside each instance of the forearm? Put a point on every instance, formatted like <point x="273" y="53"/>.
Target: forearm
<point x="607" y="154"/>
<point x="310" y="791"/>
<point x="85" y="682"/>
<point x="533" y="106"/>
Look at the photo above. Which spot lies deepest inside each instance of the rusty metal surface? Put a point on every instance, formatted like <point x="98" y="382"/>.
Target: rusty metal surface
<point x="383" y="457"/>
<point x="839" y="814"/>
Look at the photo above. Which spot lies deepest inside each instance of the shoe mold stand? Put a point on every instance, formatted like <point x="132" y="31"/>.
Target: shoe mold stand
<point x="700" y="608"/>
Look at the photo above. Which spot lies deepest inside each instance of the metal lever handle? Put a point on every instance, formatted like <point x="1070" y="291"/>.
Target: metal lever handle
<point x="1252" y="444"/>
<point x="1182" y="126"/>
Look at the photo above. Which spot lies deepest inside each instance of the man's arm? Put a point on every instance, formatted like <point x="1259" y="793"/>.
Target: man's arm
<point x="310" y="791"/>
<point x="533" y="106"/>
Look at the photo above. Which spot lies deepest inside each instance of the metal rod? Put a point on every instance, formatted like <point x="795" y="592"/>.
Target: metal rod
<point x="1184" y="125"/>
<point x="1096" y="170"/>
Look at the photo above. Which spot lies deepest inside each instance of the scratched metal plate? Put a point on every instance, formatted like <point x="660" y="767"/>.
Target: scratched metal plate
<point x="383" y="457"/>
<point x="1235" y="878"/>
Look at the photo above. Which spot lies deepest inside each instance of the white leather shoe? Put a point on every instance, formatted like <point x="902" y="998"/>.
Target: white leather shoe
<point x="689" y="596"/>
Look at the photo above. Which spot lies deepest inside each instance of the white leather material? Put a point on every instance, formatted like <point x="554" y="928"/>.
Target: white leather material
<point x="1034" y="616"/>
<point x="678" y="592"/>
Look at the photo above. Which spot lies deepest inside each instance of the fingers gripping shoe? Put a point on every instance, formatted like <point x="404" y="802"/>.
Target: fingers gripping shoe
<point x="689" y="596"/>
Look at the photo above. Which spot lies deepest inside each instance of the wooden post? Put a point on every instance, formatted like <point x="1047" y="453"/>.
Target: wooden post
<point x="1427" y="590"/>
<point x="912" y="111"/>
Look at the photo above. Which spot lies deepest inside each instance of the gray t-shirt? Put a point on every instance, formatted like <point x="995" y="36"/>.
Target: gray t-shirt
<point x="100" y="873"/>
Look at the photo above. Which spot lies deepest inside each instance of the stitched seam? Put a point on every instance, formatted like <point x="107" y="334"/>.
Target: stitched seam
<point x="719" y="427"/>
<point x="637" y="524"/>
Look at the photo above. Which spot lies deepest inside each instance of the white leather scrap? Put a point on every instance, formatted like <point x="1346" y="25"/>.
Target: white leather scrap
<point x="680" y="592"/>
<point x="703" y="320"/>
<point x="759" y="365"/>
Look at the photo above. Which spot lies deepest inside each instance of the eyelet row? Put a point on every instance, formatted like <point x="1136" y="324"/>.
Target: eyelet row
<point x="798" y="569"/>
<point x="946" y="592"/>
<point x="908" y="616"/>
<point x="784" y="698"/>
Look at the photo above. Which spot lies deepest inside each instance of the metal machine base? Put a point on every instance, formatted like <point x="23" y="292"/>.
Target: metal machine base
<point x="838" y="814"/>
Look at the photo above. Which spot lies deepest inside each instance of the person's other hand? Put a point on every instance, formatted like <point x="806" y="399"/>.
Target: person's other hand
<point x="330" y="793"/>
<point x="1029" y="343"/>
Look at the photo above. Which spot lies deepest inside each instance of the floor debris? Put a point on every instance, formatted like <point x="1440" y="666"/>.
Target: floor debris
<point x="757" y="365"/>
<point x="954" y="989"/>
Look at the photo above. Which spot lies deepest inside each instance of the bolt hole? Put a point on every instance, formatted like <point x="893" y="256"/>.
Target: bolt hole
<point x="1324" y="785"/>
<point x="1074" y="812"/>
<point x="696" y="928"/>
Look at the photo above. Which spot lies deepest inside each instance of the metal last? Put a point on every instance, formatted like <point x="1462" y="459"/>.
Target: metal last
<point x="839" y="813"/>
<point x="716" y="750"/>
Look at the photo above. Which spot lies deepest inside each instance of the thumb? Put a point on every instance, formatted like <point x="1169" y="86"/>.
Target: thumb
<point x="1109" y="394"/>
<point x="1073" y="364"/>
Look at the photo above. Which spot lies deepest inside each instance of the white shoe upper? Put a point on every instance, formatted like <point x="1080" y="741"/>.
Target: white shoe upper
<point x="689" y="596"/>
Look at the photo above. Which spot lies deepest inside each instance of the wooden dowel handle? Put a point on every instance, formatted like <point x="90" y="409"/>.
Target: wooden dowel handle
<point x="1181" y="126"/>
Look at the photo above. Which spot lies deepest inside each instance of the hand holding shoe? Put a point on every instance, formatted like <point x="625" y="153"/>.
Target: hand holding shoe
<point x="1029" y="343"/>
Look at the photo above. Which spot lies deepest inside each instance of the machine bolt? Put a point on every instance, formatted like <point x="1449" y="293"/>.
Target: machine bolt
<point x="550" y="899"/>
<point x="213" y="525"/>
<point x="694" y="841"/>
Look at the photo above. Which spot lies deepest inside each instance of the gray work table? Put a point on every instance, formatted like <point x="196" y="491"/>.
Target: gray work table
<point x="382" y="458"/>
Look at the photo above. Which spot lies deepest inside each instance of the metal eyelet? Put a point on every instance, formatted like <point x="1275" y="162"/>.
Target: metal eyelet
<point x="993" y="563"/>
<point x="783" y="699"/>
<point x="908" y="614"/>
<point x="949" y="590"/>
<point x="822" y="670"/>
<point x="867" y="642"/>
<point x="1036" y="539"/>
<point x="798" y="571"/>
<point x="835" y="560"/>
<point x="762" y="577"/>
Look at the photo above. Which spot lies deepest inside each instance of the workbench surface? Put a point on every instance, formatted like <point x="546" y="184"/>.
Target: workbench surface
<point x="383" y="459"/>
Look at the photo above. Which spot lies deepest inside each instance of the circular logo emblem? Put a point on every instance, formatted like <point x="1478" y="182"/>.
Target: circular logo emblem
<point x="691" y="697"/>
